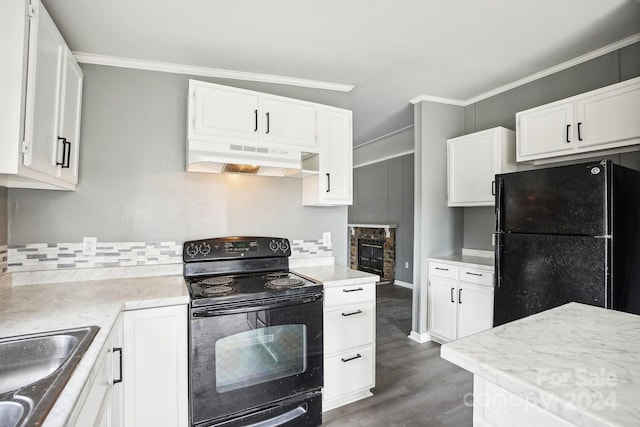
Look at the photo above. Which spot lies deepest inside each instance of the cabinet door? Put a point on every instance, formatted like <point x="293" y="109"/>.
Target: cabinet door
<point x="46" y="50"/>
<point x="610" y="116"/>
<point x="155" y="367"/>
<point x="472" y="166"/>
<point x="71" y="102"/>
<point x="546" y="131"/>
<point x="288" y="122"/>
<point x="335" y="178"/>
<point x="223" y="113"/>
<point x="475" y="309"/>
<point x="442" y="307"/>
<point x="117" y="390"/>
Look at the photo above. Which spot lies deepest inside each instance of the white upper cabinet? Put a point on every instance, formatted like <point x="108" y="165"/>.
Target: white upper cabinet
<point x="289" y="122"/>
<point x="333" y="182"/>
<point x="225" y="114"/>
<point x="41" y="84"/>
<point x="473" y="162"/>
<point x="601" y="122"/>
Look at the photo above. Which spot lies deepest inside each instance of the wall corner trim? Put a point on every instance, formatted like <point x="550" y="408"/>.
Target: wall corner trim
<point x="438" y="100"/>
<point x="165" y="67"/>
<point x="419" y="338"/>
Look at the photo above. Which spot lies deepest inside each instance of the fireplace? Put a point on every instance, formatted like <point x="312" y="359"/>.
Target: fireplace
<point x="371" y="256"/>
<point x="373" y="249"/>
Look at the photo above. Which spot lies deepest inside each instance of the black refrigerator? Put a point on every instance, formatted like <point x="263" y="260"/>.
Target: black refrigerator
<point x="568" y="233"/>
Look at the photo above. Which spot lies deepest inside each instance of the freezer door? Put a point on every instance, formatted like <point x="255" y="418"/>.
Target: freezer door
<point x="559" y="200"/>
<point x="538" y="272"/>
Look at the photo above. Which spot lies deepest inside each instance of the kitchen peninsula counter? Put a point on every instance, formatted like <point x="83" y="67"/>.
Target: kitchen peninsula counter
<point x="49" y="307"/>
<point x="577" y="364"/>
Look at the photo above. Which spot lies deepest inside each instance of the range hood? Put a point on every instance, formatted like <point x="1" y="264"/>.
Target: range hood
<point x="214" y="157"/>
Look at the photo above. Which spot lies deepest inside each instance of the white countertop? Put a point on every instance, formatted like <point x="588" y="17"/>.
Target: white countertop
<point x="48" y="307"/>
<point x="336" y="275"/>
<point x="479" y="262"/>
<point x="573" y="353"/>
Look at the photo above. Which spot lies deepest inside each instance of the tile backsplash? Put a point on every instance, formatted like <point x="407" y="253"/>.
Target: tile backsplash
<point x="3" y="259"/>
<point x="51" y="256"/>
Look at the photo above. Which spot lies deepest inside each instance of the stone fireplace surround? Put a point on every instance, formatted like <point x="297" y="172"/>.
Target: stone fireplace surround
<point x="384" y="233"/>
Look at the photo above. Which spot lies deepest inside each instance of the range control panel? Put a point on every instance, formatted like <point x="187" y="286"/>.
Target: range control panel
<point x="235" y="248"/>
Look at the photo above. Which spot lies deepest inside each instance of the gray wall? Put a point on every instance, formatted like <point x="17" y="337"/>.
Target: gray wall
<point x="500" y="110"/>
<point x="438" y="229"/>
<point x="133" y="185"/>
<point x="4" y="220"/>
<point x="391" y="145"/>
<point x="383" y="194"/>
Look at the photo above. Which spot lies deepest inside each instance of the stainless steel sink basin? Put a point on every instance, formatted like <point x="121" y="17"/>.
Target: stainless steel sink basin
<point x="34" y="369"/>
<point x="10" y="414"/>
<point x="27" y="360"/>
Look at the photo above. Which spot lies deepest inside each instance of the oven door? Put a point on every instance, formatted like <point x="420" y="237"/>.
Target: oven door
<point x="245" y="355"/>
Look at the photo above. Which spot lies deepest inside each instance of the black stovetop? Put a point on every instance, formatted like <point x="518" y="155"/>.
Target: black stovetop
<point x="208" y="290"/>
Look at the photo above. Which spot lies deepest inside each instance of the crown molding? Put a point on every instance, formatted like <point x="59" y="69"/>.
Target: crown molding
<point x="544" y="73"/>
<point x="387" y="135"/>
<point x="165" y="67"/>
<point x="438" y="100"/>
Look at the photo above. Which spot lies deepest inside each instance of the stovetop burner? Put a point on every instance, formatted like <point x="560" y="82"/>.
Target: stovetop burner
<point x="221" y="280"/>
<point x="284" y="283"/>
<point x="218" y="290"/>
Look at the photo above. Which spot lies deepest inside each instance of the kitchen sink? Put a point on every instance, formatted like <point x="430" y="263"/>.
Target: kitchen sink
<point x="34" y="369"/>
<point x="10" y="414"/>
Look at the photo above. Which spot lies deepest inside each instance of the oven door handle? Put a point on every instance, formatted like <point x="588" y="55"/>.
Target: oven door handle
<point x="282" y="418"/>
<point x="255" y="307"/>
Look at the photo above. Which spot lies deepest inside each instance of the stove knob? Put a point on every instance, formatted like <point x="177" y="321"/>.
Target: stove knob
<point x="284" y="245"/>
<point x="205" y="248"/>
<point x="192" y="250"/>
<point x="273" y="245"/>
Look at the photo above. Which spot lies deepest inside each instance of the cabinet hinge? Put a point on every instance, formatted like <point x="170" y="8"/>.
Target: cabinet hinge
<point x="24" y="149"/>
<point x="31" y="10"/>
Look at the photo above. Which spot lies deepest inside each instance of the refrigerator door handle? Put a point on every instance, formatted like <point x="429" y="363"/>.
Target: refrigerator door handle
<point x="497" y="259"/>
<point x="604" y="236"/>
<point x="499" y="187"/>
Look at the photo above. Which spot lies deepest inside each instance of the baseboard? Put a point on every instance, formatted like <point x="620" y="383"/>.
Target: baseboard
<point x="403" y="284"/>
<point x="420" y="338"/>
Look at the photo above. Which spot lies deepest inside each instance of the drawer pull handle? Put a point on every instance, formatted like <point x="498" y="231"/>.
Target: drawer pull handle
<point x="119" y="350"/>
<point x="443" y="269"/>
<point x="474" y="274"/>
<point x="352" y="290"/>
<point x="357" y="356"/>
<point x="352" y="313"/>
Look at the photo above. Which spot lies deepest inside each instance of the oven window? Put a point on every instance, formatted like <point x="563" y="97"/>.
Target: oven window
<point x="260" y="355"/>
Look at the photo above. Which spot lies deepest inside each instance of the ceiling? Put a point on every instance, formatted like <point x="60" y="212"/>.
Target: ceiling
<point x="391" y="51"/>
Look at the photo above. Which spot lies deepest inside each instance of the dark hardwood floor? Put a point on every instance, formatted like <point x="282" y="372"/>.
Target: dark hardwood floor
<point x="414" y="386"/>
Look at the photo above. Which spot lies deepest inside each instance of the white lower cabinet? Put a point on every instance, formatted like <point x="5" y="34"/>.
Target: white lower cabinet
<point x="155" y="367"/>
<point x="349" y="343"/>
<point x="460" y="301"/>
<point x="102" y="403"/>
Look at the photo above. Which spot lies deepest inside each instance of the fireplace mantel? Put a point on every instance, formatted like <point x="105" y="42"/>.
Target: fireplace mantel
<point x="386" y="227"/>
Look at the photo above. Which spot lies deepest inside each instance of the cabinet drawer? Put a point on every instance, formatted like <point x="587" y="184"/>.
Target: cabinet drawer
<point x="443" y="270"/>
<point x="351" y="294"/>
<point x="348" y="372"/>
<point x="348" y="327"/>
<point x="480" y="277"/>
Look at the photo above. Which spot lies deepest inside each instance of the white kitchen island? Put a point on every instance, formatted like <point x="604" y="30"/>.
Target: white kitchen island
<point x="575" y="365"/>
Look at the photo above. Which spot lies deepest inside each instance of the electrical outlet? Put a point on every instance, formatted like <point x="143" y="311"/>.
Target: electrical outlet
<point x="406" y="264"/>
<point x="89" y="245"/>
<point x="326" y="238"/>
